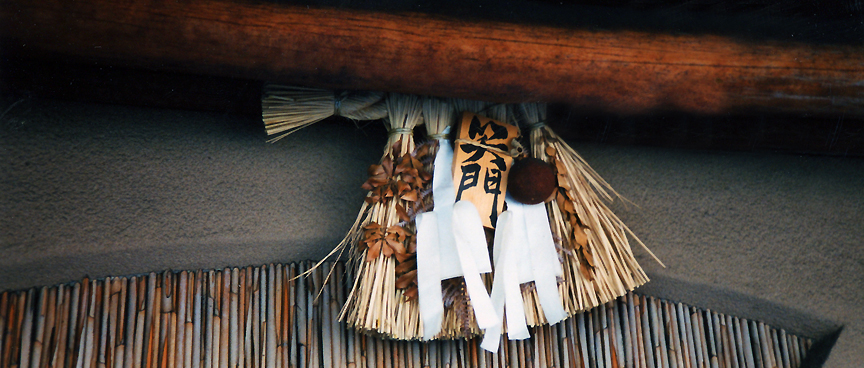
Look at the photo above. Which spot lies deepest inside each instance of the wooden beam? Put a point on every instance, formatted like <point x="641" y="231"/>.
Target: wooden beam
<point x="789" y="133"/>
<point x="60" y="79"/>
<point x="621" y="72"/>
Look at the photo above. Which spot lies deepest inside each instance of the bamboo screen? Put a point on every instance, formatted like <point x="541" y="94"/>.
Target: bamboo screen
<point x="256" y="317"/>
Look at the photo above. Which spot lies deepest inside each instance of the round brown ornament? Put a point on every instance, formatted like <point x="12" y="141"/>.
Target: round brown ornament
<point x="531" y="181"/>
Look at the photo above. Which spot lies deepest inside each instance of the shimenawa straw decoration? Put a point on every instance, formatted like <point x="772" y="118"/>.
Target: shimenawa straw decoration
<point x="599" y="265"/>
<point x="286" y="109"/>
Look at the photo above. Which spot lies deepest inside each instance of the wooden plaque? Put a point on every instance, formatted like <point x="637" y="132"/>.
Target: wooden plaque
<point x="481" y="161"/>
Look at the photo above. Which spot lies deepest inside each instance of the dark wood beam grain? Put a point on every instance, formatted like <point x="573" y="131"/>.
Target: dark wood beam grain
<point x="620" y="72"/>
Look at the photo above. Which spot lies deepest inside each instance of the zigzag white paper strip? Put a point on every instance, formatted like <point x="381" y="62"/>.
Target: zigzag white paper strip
<point x="443" y="255"/>
<point x="524" y="251"/>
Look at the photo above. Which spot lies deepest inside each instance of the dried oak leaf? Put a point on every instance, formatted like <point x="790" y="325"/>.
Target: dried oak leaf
<point x="398" y="236"/>
<point x="412" y="171"/>
<point x="378" y="184"/>
<point x="412" y="245"/>
<point x="580" y="237"/>
<point x="373" y="240"/>
<point x="403" y="214"/>
<point x="567" y="205"/>
<point x="403" y="178"/>
<point x="586" y="272"/>
<point x="423" y="151"/>
<point x="588" y="257"/>
<point x="379" y="174"/>
<point x="406" y="280"/>
<point x="411" y="293"/>
<point x="563" y="183"/>
<point x="393" y="244"/>
<point x="397" y="146"/>
<point x="378" y="242"/>
<point x="406" y="266"/>
<point x="410" y="196"/>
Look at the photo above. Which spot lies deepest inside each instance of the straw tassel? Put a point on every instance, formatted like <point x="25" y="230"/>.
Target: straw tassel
<point x="286" y="109"/>
<point x="598" y="262"/>
<point x="382" y="236"/>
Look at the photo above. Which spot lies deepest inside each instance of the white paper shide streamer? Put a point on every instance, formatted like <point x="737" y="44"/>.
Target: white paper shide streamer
<point x="451" y="243"/>
<point x="524" y="251"/>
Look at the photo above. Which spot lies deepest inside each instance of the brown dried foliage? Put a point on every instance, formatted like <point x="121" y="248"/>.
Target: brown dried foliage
<point x="403" y="178"/>
<point x="577" y="240"/>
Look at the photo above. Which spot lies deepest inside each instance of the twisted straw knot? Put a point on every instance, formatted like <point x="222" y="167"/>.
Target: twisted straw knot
<point x="515" y="151"/>
<point x="537" y="125"/>
<point x="398" y="131"/>
<point x="337" y="105"/>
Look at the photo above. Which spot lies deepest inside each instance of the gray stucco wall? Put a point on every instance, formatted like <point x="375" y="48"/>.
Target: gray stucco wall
<point x="107" y="190"/>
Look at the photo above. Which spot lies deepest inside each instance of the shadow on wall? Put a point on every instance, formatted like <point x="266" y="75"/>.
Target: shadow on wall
<point x="156" y="258"/>
<point x="824" y="332"/>
<point x="818" y="354"/>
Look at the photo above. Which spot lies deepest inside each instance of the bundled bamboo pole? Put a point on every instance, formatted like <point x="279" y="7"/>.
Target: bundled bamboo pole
<point x="41" y="314"/>
<point x="52" y="323"/>
<point x="209" y="322"/>
<point x="225" y="318"/>
<point x="14" y="340"/>
<point x="312" y="321"/>
<point x="120" y="343"/>
<point x="4" y="313"/>
<point x="112" y="297"/>
<point x="269" y="328"/>
<point x="132" y="301"/>
<point x="27" y="329"/>
<point x="253" y="344"/>
<point x="105" y="292"/>
<point x="175" y="340"/>
<point x="62" y="321"/>
<point x="192" y="302"/>
<point x="278" y="323"/>
<point x="245" y="316"/>
<point x="8" y="332"/>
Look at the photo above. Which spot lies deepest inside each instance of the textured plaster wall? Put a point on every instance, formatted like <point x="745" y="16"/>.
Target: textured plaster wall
<point x="106" y="190"/>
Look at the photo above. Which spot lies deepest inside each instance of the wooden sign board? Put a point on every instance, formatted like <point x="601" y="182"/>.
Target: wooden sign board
<point x="481" y="161"/>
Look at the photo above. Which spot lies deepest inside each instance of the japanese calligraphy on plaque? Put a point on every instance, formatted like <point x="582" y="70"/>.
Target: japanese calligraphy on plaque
<point x="481" y="160"/>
